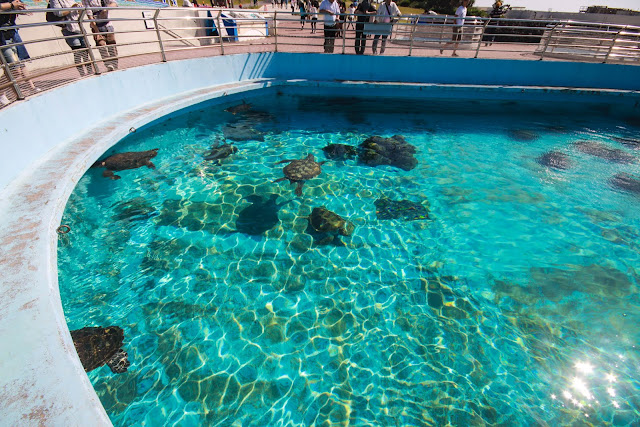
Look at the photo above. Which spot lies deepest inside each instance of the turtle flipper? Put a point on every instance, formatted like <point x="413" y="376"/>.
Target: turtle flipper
<point x="298" y="191"/>
<point x="280" y="179"/>
<point x="119" y="362"/>
<point x="109" y="174"/>
<point x="285" y="161"/>
<point x="150" y="165"/>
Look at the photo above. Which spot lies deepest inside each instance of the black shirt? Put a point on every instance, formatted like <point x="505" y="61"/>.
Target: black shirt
<point x="7" y="20"/>
<point x="363" y="7"/>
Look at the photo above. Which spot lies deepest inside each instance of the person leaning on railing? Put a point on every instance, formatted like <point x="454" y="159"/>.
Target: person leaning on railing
<point x="387" y="14"/>
<point x="330" y="10"/>
<point x="364" y="11"/>
<point x="103" y="31"/>
<point x="72" y="33"/>
<point x="13" y="54"/>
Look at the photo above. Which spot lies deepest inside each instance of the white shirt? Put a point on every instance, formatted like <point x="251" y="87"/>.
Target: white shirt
<point x="330" y="20"/>
<point x="71" y="17"/>
<point x="386" y="12"/>
<point x="461" y="13"/>
<point x="314" y="12"/>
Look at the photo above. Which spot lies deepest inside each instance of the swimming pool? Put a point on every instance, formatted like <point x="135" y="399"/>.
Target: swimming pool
<point x="512" y="300"/>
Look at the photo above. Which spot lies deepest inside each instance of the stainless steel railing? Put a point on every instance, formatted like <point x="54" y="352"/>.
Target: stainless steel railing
<point x="146" y="36"/>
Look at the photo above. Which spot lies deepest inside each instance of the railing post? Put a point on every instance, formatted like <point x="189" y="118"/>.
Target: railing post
<point x="413" y="31"/>
<point x="220" y="32"/>
<point x="275" y="27"/>
<point x="155" y="24"/>
<point x="544" y="49"/>
<point x="96" y="70"/>
<point x="444" y="24"/>
<point x="484" y="30"/>
<point x="14" y="83"/>
<point x="613" y="43"/>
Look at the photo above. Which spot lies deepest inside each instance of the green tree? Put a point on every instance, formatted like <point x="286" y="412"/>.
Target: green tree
<point x="443" y="7"/>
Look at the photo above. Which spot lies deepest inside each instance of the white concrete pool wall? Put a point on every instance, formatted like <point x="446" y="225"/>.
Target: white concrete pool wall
<point x="49" y="142"/>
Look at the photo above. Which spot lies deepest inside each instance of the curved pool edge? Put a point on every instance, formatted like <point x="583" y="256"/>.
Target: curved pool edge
<point x="43" y="380"/>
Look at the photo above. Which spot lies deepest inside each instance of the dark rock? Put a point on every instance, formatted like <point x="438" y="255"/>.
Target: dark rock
<point x="340" y="152"/>
<point x="394" y="151"/>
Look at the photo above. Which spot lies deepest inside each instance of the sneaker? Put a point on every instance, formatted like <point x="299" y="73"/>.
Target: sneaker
<point x="454" y="54"/>
<point x="110" y="67"/>
<point x="4" y="100"/>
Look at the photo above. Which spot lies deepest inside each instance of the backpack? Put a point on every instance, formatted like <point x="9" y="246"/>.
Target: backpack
<point x="52" y="17"/>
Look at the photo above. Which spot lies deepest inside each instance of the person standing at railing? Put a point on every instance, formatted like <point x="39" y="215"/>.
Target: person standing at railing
<point x="72" y="33"/>
<point x="13" y="55"/>
<point x="497" y="12"/>
<point x="364" y="11"/>
<point x="103" y="31"/>
<point x="387" y="14"/>
<point x="313" y="11"/>
<point x="330" y="11"/>
<point x="456" y="35"/>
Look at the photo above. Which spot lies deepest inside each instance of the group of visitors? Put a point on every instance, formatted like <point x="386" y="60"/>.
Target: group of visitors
<point x="383" y="18"/>
<point x="103" y="34"/>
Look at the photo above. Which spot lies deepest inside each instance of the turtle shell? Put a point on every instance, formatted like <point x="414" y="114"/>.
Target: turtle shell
<point x="95" y="346"/>
<point x="324" y="221"/>
<point x="299" y="170"/>
<point x="130" y="160"/>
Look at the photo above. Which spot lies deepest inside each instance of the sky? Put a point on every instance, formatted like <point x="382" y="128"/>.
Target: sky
<point x="564" y="5"/>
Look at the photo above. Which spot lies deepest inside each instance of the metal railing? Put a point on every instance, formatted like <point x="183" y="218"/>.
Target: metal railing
<point x="146" y="36"/>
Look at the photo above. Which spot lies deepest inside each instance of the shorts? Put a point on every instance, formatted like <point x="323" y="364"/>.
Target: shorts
<point x="457" y="34"/>
<point x="74" y="42"/>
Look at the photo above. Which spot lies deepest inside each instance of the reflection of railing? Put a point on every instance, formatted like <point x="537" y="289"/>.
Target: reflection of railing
<point x="160" y="35"/>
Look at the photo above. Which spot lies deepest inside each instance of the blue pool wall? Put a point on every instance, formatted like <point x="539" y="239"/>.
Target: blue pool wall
<point x="48" y="119"/>
<point x="50" y="140"/>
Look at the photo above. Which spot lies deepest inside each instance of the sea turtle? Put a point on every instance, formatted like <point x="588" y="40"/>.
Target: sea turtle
<point x="603" y="151"/>
<point x="555" y="159"/>
<point x="629" y="142"/>
<point x="122" y="161"/>
<point x="300" y="170"/>
<point x="219" y="152"/>
<point x="404" y="209"/>
<point x="242" y="132"/>
<point x="240" y="108"/>
<point x="96" y="346"/>
<point x="524" y="135"/>
<point x="627" y="182"/>
<point x="324" y="221"/>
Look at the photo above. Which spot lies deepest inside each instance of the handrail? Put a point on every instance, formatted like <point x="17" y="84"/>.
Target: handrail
<point x="185" y="30"/>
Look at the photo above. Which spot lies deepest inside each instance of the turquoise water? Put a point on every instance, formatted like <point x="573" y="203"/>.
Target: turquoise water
<point x="515" y="303"/>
